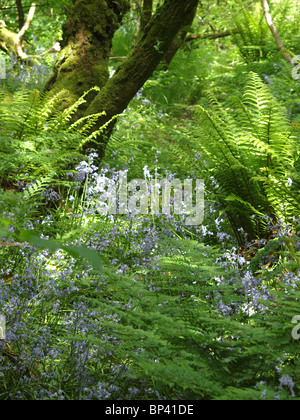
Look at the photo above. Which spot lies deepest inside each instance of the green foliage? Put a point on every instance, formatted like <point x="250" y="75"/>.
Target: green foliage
<point x="192" y="328"/>
<point x="253" y="33"/>
<point x="179" y="340"/>
<point x="37" y="138"/>
<point x="253" y="154"/>
<point x="184" y="81"/>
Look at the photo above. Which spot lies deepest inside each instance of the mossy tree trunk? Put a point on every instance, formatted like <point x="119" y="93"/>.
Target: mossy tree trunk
<point x="86" y="45"/>
<point x="7" y="40"/>
<point x="180" y="37"/>
<point x="140" y="64"/>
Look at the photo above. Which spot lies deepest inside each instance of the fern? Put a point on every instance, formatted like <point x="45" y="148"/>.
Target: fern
<point x="38" y="186"/>
<point x="174" y="336"/>
<point x="253" y="156"/>
<point x="37" y="139"/>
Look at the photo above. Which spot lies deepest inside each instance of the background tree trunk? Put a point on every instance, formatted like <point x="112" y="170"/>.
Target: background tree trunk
<point x="275" y="32"/>
<point x="7" y="40"/>
<point x="21" y="16"/>
<point x="146" y="14"/>
<point x="12" y="43"/>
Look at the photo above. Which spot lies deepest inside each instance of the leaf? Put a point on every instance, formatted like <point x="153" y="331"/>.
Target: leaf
<point x="75" y="251"/>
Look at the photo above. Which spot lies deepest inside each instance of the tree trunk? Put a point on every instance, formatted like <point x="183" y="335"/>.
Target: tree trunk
<point x="87" y="41"/>
<point x="7" y="40"/>
<point x="180" y="38"/>
<point x="140" y="64"/>
<point x="21" y="16"/>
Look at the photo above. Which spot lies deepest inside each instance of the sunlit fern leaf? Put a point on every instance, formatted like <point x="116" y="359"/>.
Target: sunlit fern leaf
<point x="252" y="153"/>
<point x="252" y="33"/>
<point x="38" y="186"/>
<point x="36" y="137"/>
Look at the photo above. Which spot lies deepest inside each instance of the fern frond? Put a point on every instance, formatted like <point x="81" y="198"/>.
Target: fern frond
<point x="251" y="155"/>
<point x="252" y="34"/>
<point x="38" y="186"/>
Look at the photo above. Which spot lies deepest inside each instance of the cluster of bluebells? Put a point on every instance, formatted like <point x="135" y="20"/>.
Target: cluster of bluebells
<point x="50" y="322"/>
<point x="37" y="310"/>
<point x="31" y="76"/>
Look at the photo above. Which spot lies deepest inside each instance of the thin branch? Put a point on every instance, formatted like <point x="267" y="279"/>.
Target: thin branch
<point x="215" y="35"/>
<point x="56" y="48"/>
<point x="275" y="32"/>
<point x="17" y="244"/>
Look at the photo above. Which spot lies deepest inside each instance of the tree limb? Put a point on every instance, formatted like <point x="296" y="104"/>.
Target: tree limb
<point x="215" y="35"/>
<point x="275" y="32"/>
<point x="10" y="42"/>
<point x="16" y="244"/>
<point x="20" y="35"/>
<point x="180" y="38"/>
<point x="56" y="48"/>
<point x="140" y="64"/>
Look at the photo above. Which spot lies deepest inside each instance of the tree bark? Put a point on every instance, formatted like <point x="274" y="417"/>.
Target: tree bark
<point x="146" y="13"/>
<point x="140" y="64"/>
<point x="21" y="16"/>
<point x="87" y="41"/>
<point x="20" y="35"/>
<point x="180" y="38"/>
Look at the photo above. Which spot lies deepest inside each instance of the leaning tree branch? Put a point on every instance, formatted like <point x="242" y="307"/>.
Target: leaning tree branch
<point x="139" y="66"/>
<point x="11" y="43"/>
<point x="275" y="32"/>
<point x="20" y="35"/>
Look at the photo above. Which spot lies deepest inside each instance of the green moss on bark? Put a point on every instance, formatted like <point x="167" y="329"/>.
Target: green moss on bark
<point x="7" y="41"/>
<point x="86" y="45"/>
<point x="141" y="62"/>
